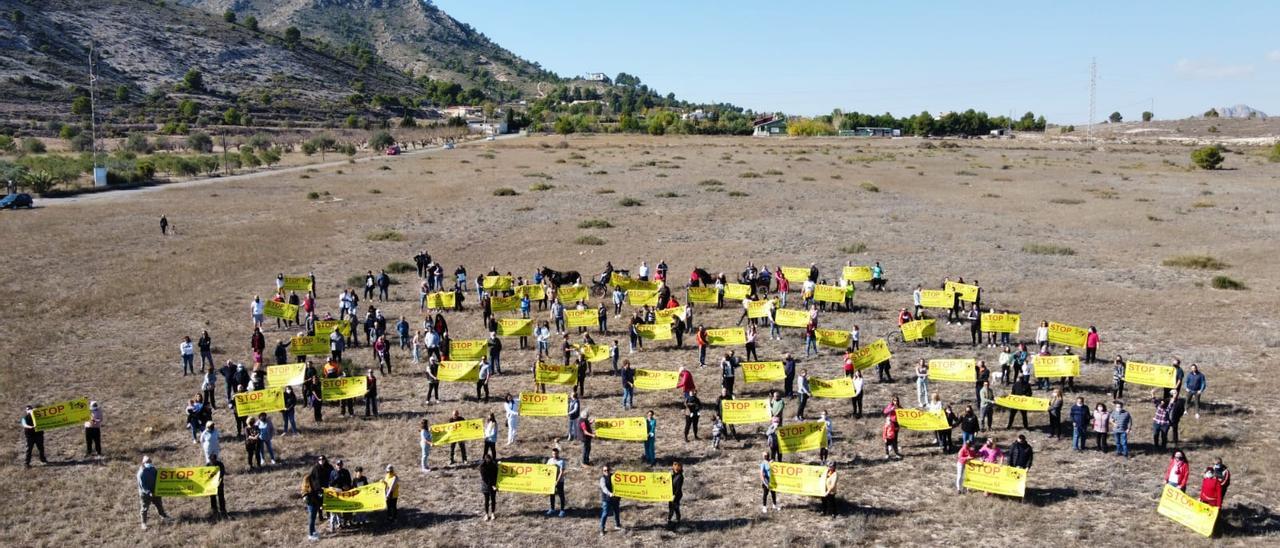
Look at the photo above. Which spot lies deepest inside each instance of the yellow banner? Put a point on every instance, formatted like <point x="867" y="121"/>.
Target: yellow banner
<point x="450" y="432"/>
<point x="1150" y="374"/>
<point x="795" y="274"/>
<point x="284" y="311"/>
<point x="497" y="283"/>
<point x="442" y="299"/>
<point x="297" y="283"/>
<point x="260" y="401"/>
<point x="643" y="486"/>
<point x="668" y="315"/>
<point x="995" y="478"/>
<point x="937" y="298"/>
<point x="840" y="387"/>
<point x="1000" y="323"/>
<point x="325" y="327"/>
<point x="289" y="374"/>
<point x="366" y="498"/>
<point x="920" y="419"/>
<point x="799" y="479"/>
<point x="535" y="292"/>
<point x="193" y="481"/>
<point x="962" y="370"/>
<point x="538" y="404"/>
<point x="871" y="355"/>
<point x="736" y="292"/>
<point x="857" y="273"/>
<point x="919" y="329"/>
<point x="571" y="294"/>
<point x="802" y="436"/>
<point x="504" y="304"/>
<point x="828" y="293"/>
<point x="459" y="371"/>
<point x="515" y="327"/>
<point x="965" y="292"/>
<point x="653" y="379"/>
<point x="342" y="388"/>
<point x="1023" y="403"/>
<point x="1056" y="366"/>
<point x="593" y="352"/>
<point x="757" y="309"/>
<point x="546" y="373"/>
<point x="786" y="317"/>
<point x="1182" y="508"/>
<point x="655" y="331"/>
<point x="763" y="372"/>
<point x="727" y="336"/>
<point x="468" y="349"/>
<point x="833" y="338"/>
<point x="58" y="415"/>
<point x="1068" y="335"/>
<point x="580" y="318"/>
<point x="627" y="283"/>
<point x="642" y="297"/>
<point x="309" y="346"/>
<point x="625" y="429"/>
<point x="528" y="478"/>
<point x="703" y="295"/>
<point x="744" y="411"/>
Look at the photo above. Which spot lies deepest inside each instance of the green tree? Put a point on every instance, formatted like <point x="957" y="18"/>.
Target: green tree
<point x="39" y="181"/>
<point x="193" y="80"/>
<point x="381" y="140"/>
<point x="18" y="17"/>
<point x="564" y="125"/>
<point x="200" y="142"/>
<point x="69" y="131"/>
<point x="924" y="124"/>
<point x="271" y="156"/>
<point x="1211" y="113"/>
<point x="627" y="122"/>
<point x="81" y="143"/>
<point x="309" y="148"/>
<point x="122" y="93"/>
<point x="188" y="109"/>
<point x="231" y="117"/>
<point x="80" y="106"/>
<point x="31" y="145"/>
<point x="353" y="121"/>
<point x="229" y="16"/>
<point x="7" y="144"/>
<point x="1207" y="157"/>
<point x="251" y="23"/>
<point x="248" y="158"/>
<point x="138" y="143"/>
<point x="1275" y="153"/>
<point x="292" y="37"/>
<point x="1115" y="118"/>
<point x="1147" y="116"/>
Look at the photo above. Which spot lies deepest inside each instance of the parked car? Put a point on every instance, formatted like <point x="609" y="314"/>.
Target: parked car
<point x="15" y="201"/>
<point x="448" y="146"/>
<point x="393" y="150"/>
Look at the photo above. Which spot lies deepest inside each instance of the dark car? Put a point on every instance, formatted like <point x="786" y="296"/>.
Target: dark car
<point x="15" y="201"/>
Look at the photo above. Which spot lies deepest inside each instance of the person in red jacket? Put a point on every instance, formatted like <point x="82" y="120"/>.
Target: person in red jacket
<point x="1178" y="470"/>
<point x="685" y="382"/>
<point x="890" y="434"/>
<point x="967" y="453"/>
<point x="1211" y="488"/>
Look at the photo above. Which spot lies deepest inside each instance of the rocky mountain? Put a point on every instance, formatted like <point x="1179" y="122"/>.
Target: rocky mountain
<point x="1240" y="111"/>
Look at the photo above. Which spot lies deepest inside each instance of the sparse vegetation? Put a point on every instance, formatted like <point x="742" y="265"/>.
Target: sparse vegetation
<point x="749" y="175"/>
<point x="385" y="236"/>
<point x="869" y="186"/>
<point x="589" y="240"/>
<point x="667" y="194"/>
<point x="856" y="247"/>
<point x="1209" y="157"/>
<point x="630" y="202"/>
<point x="505" y="191"/>
<point x="1066" y="201"/>
<point x="710" y="182"/>
<point x="605" y="191"/>
<point x="738" y="194"/>
<point x="595" y="223"/>
<point x="400" y="267"/>
<point x="539" y="187"/>
<point x="1047" y="249"/>
<point x="1201" y="262"/>
<point x="1223" y="282"/>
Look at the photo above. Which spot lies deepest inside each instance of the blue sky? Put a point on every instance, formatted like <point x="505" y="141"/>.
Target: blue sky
<point x="903" y="57"/>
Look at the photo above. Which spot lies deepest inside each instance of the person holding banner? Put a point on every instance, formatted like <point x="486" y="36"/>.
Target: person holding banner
<point x="966" y="454"/>
<point x="628" y="378"/>
<point x="35" y="439"/>
<point x="1178" y="470"/>
<point x="559" y="463"/>
<point x="288" y="416"/>
<point x="146" y="491"/>
<point x="1020" y="453"/>
<point x="93" y="430"/>
<point x="1020" y="388"/>
<point x="609" y="501"/>
<point x="765" y="476"/>
<point x="1117" y="378"/>
<point x="805" y="394"/>
<point x="890" y="435"/>
<point x="433" y="380"/>
<point x="828" y="506"/>
<point x="651" y="440"/>
<point x="482" y="380"/>
<point x="458" y="445"/>
<point x="218" y="501"/>
<point x="587" y="433"/>
<point x="829" y="429"/>
<point x="856" y="400"/>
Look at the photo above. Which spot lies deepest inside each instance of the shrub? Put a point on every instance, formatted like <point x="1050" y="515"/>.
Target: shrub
<point x="505" y="191"/>
<point x="856" y="247"/>
<point x="709" y="182"/>
<point x="869" y="186"/>
<point x="964" y="173"/>
<point x="313" y="195"/>
<point x="773" y="172"/>
<point x="1223" y="282"/>
<point x="138" y="143"/>
<point x="374" y="191"/>
<point x="539" y="187"/>
<point x="667" y="194"/>
<point x="588" y="240"/>
<point x="749" y="175"/>
<point x="595" y="223"/>
<point x="1207" y="157"/>
<point x="385" y="236"/>
<point x="605" y="191"/>
<point x="200" y="142"/>
<point x="7" y="144"/>
<point x="31" y="145"/>
<point x="738" y="194"/>
<point x="1047" y="249"/>
<point x="1066" y="201"/>
<point x="1275" y="153"/>
<point x="630" y="202"/>
<point x="381" y="140"/>
<point x="1201" y="262"/>
<point x="539" y="174"/>
<point x="400" y="267"/>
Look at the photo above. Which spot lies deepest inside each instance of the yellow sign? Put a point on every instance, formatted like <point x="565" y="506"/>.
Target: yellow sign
<point x="828" y="293"/>
<point x="799" y="479"/>
<point x="668" y="315"/>
<point x="546" y="373"/>
<point x="757" y="309"/>
<point x="571" y="294"/>
<point x="581" y="318"/>
<point x="919" y="329"/>
<point x="744" y="411"/>
<point x="655" y="331"/>
<point x="366" y="498"/>
<point x="515" y="327"/>
<point x="325" y="327"/>
<point x="497" y="283"/>
<point x="1150" y="374"/>
<point x="458" y="431"/>
<point x="538" y="404"/>
<point x="1000" y="323"/>
<point x="794" y="274"/>
<point x="1056" y="366"/>
<point x="289" y="374"/>
<point x="727" y="336"/>
<point x="625" y="429"/>
<point x="594" y="352"/>
<point x="504" y="304"/>
<point x="194" y="481"/>
<point x="297" y="283"/>
<point x="627" y="283"/>
<point x="703" y="295"/>
<point x="653" y="379"/>
<point x="342" y="388"/>
<point x="442" y="300"/>
<point x="535" y="292"/>
<point x="528" y="478"/>
<point x="284" y="311"/>
<point x="309" y="346"/>
<point x="833" y="338"/>
<point x="762" y="371"/>
<point x="468" y="349"/>
<point x="802" y="436"/>
<point x="642" y="297"/>
<point x="643" y="486"/>
<point x="965" y="292"/>
<point x="1068" y="335"/>
<point x="841" y="387"/>
<point x="871" y="355"/>
<point x="736" y="292"/>
<point x="937" y="298"/>
<point x="58" y="415"/>
<point x="953" y="370"/>
<point x="995" y="478"/>
<point x="1023" y="403"/>
<point x="1180" y="507"/>
<point x="459" y="371"/>
<point x="857" y="273"/>
<point x="920" y="419"/>
<point x="786" y="317"/>
<point x="260" y="401"/>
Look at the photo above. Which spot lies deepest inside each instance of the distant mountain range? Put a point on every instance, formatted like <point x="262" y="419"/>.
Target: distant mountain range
<point x="1240" y="111"/>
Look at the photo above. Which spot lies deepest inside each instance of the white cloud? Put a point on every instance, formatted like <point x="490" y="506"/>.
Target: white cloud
<point x="1204" y="69"/>
<point x="1274" y="55"/>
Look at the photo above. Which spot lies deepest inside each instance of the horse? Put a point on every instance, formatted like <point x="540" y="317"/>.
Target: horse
<point x="701" y="278"/>
<point x="558" y="279"/>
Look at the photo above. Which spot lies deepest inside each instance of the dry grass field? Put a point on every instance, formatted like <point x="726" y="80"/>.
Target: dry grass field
<point x="97" y="303"/>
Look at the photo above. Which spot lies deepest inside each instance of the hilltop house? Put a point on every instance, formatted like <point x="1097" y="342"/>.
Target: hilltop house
<point x="765" y="126"/>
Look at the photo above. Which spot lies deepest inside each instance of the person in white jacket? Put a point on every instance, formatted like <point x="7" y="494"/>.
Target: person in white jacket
<point x="512" y="408"/>
<point x="209" y="441"/>
<point x="255" y="310"/>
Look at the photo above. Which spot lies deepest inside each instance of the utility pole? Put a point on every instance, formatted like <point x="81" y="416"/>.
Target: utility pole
<point x="1093" y="96"/>
<point x="98" y="180"/>
<point x="225" y="167"/>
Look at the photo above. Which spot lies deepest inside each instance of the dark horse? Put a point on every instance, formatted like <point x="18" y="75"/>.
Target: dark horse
<point x="557" y="278"/>
<point x="701" y="278"/>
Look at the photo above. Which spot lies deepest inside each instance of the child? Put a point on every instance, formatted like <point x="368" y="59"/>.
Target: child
<point x="717" y="430"/>
<point x="890" y="434"/>
<point x="825" y="450"/>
